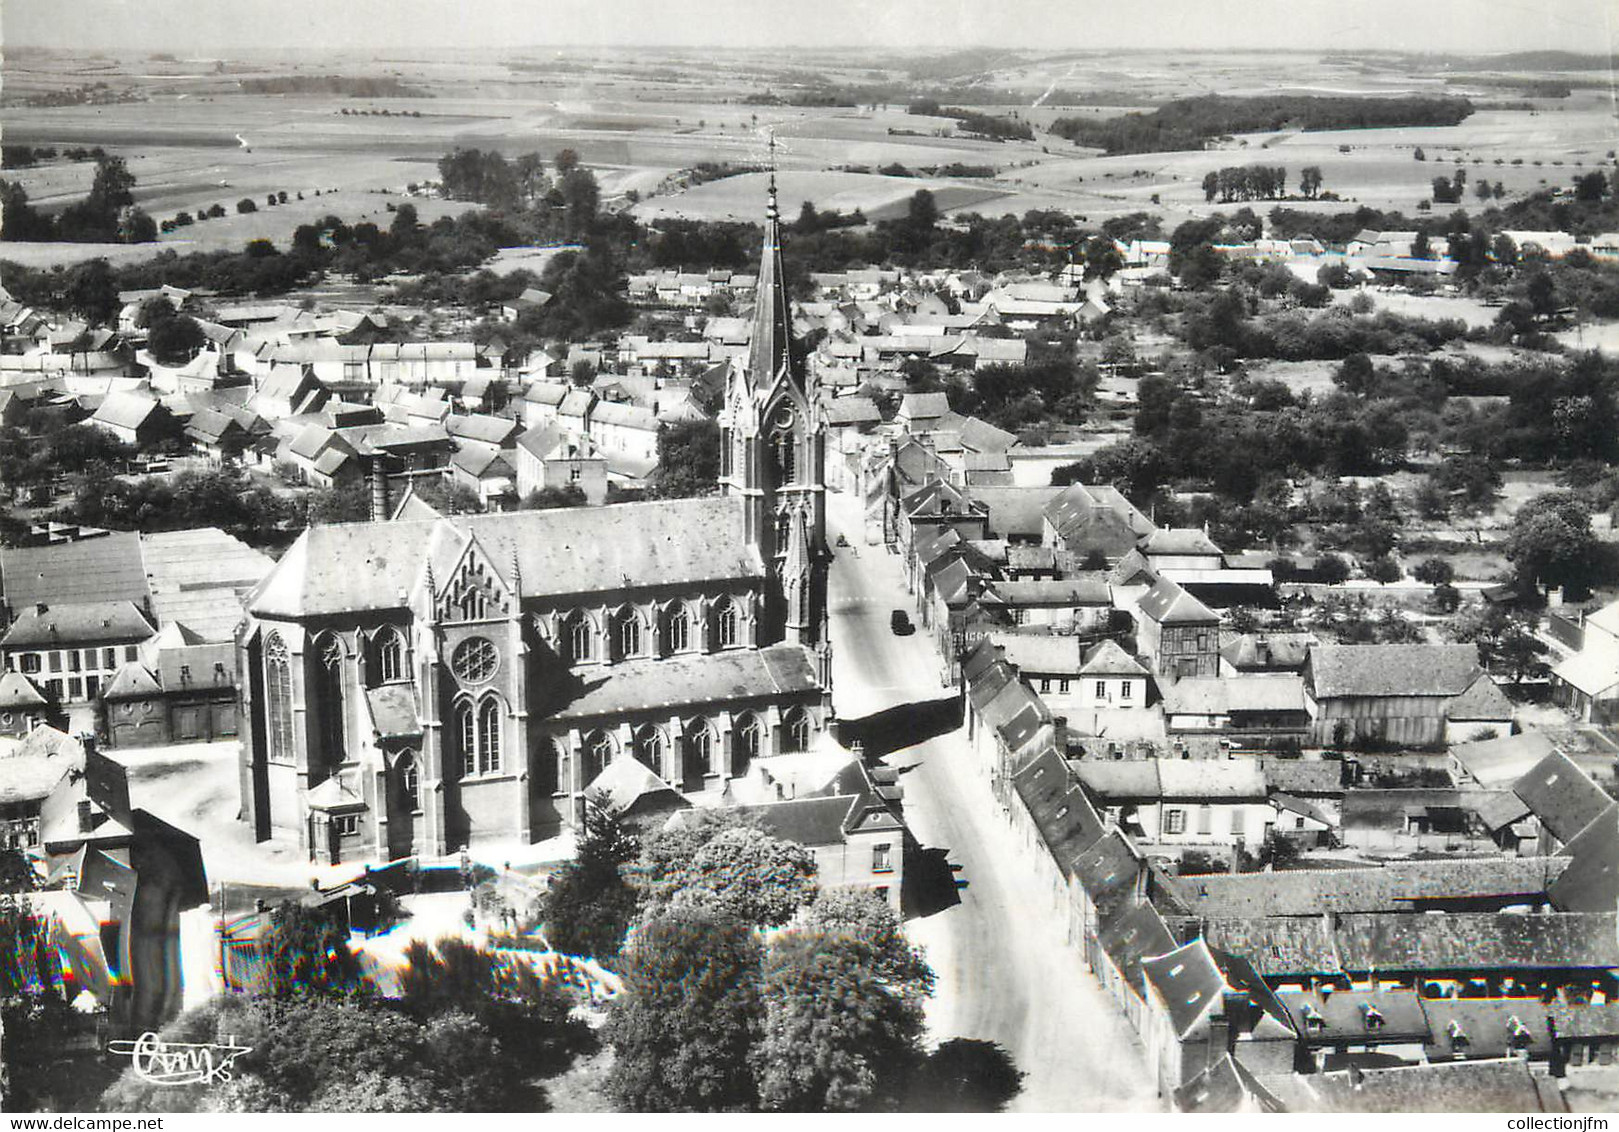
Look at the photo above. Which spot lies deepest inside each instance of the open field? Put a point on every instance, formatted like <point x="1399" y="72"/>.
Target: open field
<point x="195" y="137"/>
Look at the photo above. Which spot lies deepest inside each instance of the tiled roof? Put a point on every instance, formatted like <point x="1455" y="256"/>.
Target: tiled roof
<point x="805" y="821"/>
<point x="1109" y="659"/>
<point x="1504" y="759"/>
<point x="1506" y="1085"/>
<point x="133" y="682"/>
<point x="626" y="783"/>
<point x="1219" y="695"/>
<point x="1394" y="887"/>
<point x="1085" y="589"/>
<point x="1472" y="941"/>
<point x="1041" y="653"/>
<point x="1179" y="541"/>
<point x="1483" y="702"/>
<point x="1338" y="671"/>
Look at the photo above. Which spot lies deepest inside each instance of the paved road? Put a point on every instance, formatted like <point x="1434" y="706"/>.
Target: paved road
<point x="1004" y="975"/>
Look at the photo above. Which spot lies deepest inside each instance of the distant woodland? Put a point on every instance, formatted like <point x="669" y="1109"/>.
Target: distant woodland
<point x="1189" y="123"/>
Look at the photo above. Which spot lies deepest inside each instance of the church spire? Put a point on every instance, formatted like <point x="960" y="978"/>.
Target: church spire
<point x="771" y="349"/>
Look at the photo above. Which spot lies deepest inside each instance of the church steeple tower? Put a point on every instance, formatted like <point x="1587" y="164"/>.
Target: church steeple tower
<point x="772" y="453"/>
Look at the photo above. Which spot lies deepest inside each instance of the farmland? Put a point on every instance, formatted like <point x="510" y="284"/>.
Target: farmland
<point x="193" y="135"/>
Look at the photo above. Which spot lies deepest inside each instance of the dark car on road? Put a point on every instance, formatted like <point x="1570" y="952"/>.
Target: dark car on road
<point x="900" y="622"/>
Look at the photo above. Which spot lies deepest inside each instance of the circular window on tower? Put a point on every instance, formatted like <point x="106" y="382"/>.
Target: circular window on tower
<point x="784" y="418"/>
<point x="474" y="660"/>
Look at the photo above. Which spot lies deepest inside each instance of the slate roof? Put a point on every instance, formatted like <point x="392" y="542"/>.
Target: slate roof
<point x="1108" y="871"/>
<point x="1562" y="795"/>
<point x="1064" y="817"/>
<point x="842" y="412"/>
<point x="1504" y="759"/>
<point x="363" y="566"/>
<point x="1133" y="935"/>
<point x="687" y="680"/>
<point x="105" y="568"/>
<point x="920" y="407"/>
<point x="1168" y="604"/>
<point x="125" y="410"/>
<point x="18" y="691"/>
<point x="133" y="682"/>
<point x="481" y="427"/>
<point x="627" y="786"/>
<point x="1179" y="541"/>
<point x="1585" y="1020"/>
<point x="1015" y="512"/>
<point x="1276" y="946"/>
<point x="198" y="578"/>
<point x="1268" y="652"/>
<point x="1109" y="659"/>
<point x="393" y="710"/>
<point x="1225" y="1086"/>
<point x="1339" y="671"/>
<point x="1085" y="589"/>
<point x="1342" y="1016"/>
<point x="1041" y="652"/>
<point x="83" y="623"/>
<point x="1486" y="1027"/>
<point x="1222" y="695"/>
<point x="806" y="821"/>
<point x="1590" y="883"/>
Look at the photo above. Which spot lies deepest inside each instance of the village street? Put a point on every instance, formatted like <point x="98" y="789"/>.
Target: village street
<point x="1004" y="974"/>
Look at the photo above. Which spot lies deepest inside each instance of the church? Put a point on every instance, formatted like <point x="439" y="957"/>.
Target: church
<point x="427" y="683"/>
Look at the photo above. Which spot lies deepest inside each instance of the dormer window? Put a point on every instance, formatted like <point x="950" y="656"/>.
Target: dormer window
<point x="1458" y="1036"/>
<point x="1372" y="1016"/>
<point x="1518" y="1036"/>
<point x="1312" y="1018"/>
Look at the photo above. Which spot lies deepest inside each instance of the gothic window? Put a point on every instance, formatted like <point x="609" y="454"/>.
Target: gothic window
<point x="784" y="455"/>
<point x="784" y="531"/>
<point x="278" y="699"/>
<point x="749" y="738"/>
<point x="725" y="451"/>
<point x="699" y="749"/>
<point x="474" y="660"/>
<point x="598" y="753"/>
<point x="330" y="699"/>
<point x="578" y="639"/>
<point x="797" y="736"/>
<point x="629" y="633"/>
<point x="466" y="734"/>
<point x="489" y="736"/>
<point x="725" y="622"/>
<point x="677" y="630"/>
<point x="649" y="748"/>
<point x="390" y="656"/>
<point x="410" y="781"/>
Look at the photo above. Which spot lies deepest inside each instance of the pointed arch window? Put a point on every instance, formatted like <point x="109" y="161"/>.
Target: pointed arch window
<point x="699" y="744"/>
<point x="390" y="652"/>
<point x="725" y="451"/>
<point x="649" y="748"/>
<point x="797" y="724"/>
<point x="749" y="741"/>
<point x="410" y="781"/>
<point x="784" y="455"/>
<point x="330" y="708"/>
<point x="489" y="736"/>
<point x="578" y="638"/>
<point x="599" y="751"/>
<point x="677" y="630"/>
<point x="278" y="699"/>
<point x="784" y="532"/>
<point x="466" y="734"/>
<point x="627" y="629"/>
<point x="726" y="623"/>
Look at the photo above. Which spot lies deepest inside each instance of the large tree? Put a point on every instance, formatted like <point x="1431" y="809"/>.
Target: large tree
<point x="837" y="1036"/>
<point x="1551" y="542"/>
<point x="689" y="1016"/>
<point x="750" y="875"/>
<point x="588" y="905"/>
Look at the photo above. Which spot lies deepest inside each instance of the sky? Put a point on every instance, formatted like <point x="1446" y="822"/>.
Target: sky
<point x="219" y="26"/>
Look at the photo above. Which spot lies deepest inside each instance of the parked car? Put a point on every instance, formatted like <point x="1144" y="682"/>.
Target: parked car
<point x="900" y="622"/>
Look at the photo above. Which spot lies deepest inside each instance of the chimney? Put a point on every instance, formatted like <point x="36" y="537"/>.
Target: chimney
<point x="41" y="608"/>
<point x="379" y="490"/>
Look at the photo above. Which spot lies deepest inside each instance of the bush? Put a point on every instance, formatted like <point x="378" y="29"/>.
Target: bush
<point x="245" y="205"/>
